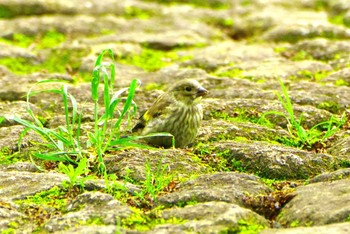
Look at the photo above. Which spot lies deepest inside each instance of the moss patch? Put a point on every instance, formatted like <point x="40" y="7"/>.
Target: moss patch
<point x="152" y="60"/>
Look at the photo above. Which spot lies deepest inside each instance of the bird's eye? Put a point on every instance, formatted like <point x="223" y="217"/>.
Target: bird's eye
<point x="188" y="89"/>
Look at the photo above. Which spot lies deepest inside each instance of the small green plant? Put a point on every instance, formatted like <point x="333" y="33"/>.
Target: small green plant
<point x="155" y="181"/>
<point x="302" y="137"/>
<point x="64" y="143"/>
<point x="74" y="174"/>
<point x="247" y="227"/>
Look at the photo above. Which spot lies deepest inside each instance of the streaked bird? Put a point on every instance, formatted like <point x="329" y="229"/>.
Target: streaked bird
<point x="177" y="111"/>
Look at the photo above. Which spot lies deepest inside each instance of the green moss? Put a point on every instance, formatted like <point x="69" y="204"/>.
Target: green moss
<point x="348" y="219"/>
<point x="54" y="198"/>
<point x="302" y="55"/>
<point x="187" y="203"/>
<point x="241" y="116"/>
<point x="152" y="60"/>
<point x="216" y="4"/>
<point x="6" y="12"/>
<point x="332" y="107"/>
<point x="218" y="160"/>
<point x="341" y="82"/>
<point x="153" y="86"/>
<point x="344" y="163"/>
<point x="231" y="72"/>
<point x="94" y="221"/>
<point x="9" y="231"/>
<point x="249" y="227"/>
<point x="314" y="76"/>
<point x="295" y="223"/>
<point x="43" y="206"/>
<point x="135" y="12"/>
<point x="142" y="221"/>
<point x="58" y="60"/>
<point x="337" y="19"/>
<point x="42" y="41"/>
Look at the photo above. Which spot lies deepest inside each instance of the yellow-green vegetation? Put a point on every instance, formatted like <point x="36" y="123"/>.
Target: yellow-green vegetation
<point x="313" y="76"/>
<point x="247" y="227"/>
<point x="344" y="163"/>
<point x="43" y="206"/>
<point x="270" y="204"/>
<point x="157" y="180"/>
<point x="142" y="221"/>
<point x="152" y="60"/>
<point x="216" y="4"/>
<point x="229" y="72"/>
<point x="64" y="143"/>
<point x="131" y="12"/>
<point x="57" y="59"/>
<point x="342" y="82"/>
<point x="6" y="156"/>
<point x="187" y="203"/>
<point x="302" y="55"/>
<point x="338" y="19"/>
<point x="348" y="219"/>
<point x="54" y="198"/>
<point x="332" y="107"/>
<point x="218" y="160"/>
<point x="295" y="223"/>
<point x="154" y="86"/>
<point x="241" y="116"/>
<point x="42" y="41"/>
<point x="300" y="136"/>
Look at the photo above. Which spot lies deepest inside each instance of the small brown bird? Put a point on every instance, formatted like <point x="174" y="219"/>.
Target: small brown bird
<point x="178" y="112"/>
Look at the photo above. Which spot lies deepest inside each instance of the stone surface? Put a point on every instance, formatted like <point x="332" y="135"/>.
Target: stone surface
<point x="318" y="204"/>
<point x="87" y="206"/>
<point x="238" y="166"/>
<point x="341" y="228"/>
<point x="274" y="161"/>
<point x="224" y="186"/>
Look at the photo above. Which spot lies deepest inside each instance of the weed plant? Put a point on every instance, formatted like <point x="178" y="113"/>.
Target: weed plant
<point x="302" y="137"/>
<point x="64" y="143"/>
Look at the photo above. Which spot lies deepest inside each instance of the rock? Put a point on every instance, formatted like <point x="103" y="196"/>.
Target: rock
<point x="273" y="161"/>
<point x="341" y="77"/>
<point x="319" y="48"/>
<point x="339" y="228"/>
<point x="19" y="185"/>
<point x="318" y="204"/>
<point x="225" y="186"/>
<point x="331" y="176"/>
<point x="341" y="148"/>
<point x="90" y="205"/>
<point x="133" y="163"/>
<point x="210" y="217"/>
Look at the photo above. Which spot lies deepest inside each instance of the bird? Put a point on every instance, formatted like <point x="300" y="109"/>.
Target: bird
<point x="178" y="111"/>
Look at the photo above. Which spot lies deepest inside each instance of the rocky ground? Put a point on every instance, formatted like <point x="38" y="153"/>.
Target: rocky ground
<point x="242" y="175"/>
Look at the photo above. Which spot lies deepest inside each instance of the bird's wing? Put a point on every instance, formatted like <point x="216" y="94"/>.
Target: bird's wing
<point x="157" y="110"/>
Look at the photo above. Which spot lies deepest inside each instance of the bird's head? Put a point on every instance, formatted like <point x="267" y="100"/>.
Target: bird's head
<point x="188" y="91"/>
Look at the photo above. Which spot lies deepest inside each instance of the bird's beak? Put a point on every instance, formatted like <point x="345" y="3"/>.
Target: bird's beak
<point x="201" y="92"/>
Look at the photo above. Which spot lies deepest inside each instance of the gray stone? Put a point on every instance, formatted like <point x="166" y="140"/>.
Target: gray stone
<point x="225" y="186"/>
<point x="132" y="163"/>
<point x="339" y="77"/>
<point x="341" y="147"/>
<point x="87" y="206"/>
<point x="339" y="228"/>
<point x="273" y="161"/>
<point x="318" y="204"/>
<point x="211" y="217"/>
<point x="331" y="176"/>
<point x="320" y="48"/>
